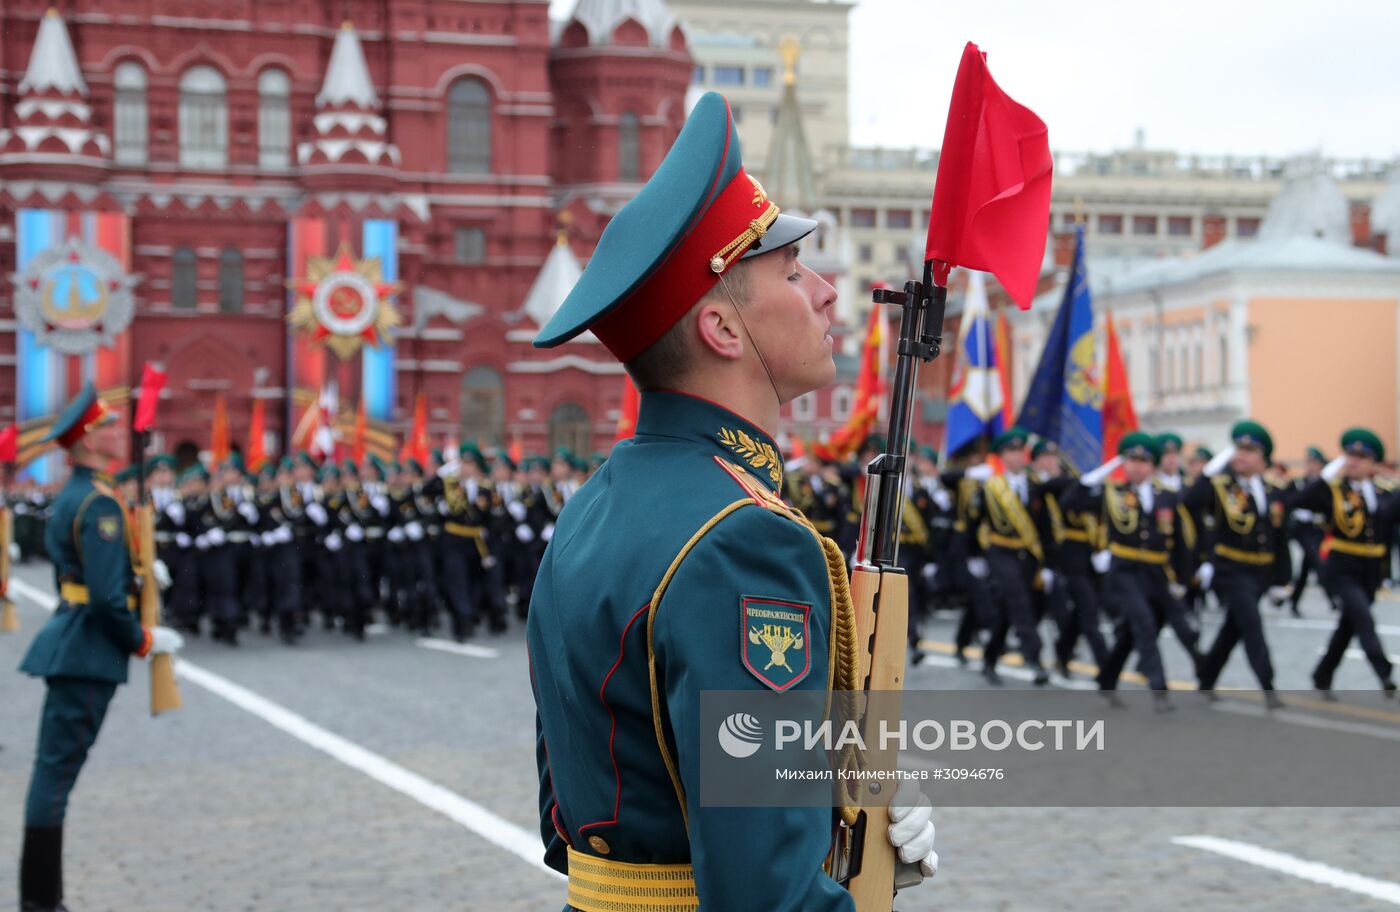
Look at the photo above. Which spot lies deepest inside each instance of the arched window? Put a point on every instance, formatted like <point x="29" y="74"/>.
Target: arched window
<point x="568" y="429"/>
<point x="629" y="166"/>
<point x="483" y="407"/>
<point x="129" y="113"/>
<point x="183" y="279"/>
<point x="274" y="119"/>
<point x="203" y="118"/>
<point x="230" y="281"/>
<point x="468" y="127"/>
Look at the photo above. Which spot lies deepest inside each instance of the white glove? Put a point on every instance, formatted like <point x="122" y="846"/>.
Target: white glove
<point x="183" y="540"/>
<point x="449" y="469"/>
<point x="1204" y="574"/>
<point x="1101" y="560"/>
<point x="547" y="533"/>
<point x="248" y="511"/>
<point x="525" y="533"/>
<point x="1219" y="461"/>
<point x="1047" y="580"/>
<point x="943" y="499"/>
<point x="215" y="536"/>
<point x="488" y="562"/>
<point x="355" y="533"/>
<point x="977" y="566"/>
<point x="282" y="535"/>
<point x="1334" y="468"/>
<point x="165" y="641"/>
<point x="414" y="530"/>
<point x="162" y="574"/>
<point x="176" y="512"/>
<point x="333" y="542"/>
<point x="317" y="513"/>
<point x="930" y="573"/>
<point x="201" y="542"/>
<point x="911" y="830"/>
<point x="516" y="510"/>
<point x="443" y="509"/>
<point x="1177" y="590"/>
<point x="980" y="472"/>
<point x="380" y="504"/>
<point x="1096" y="477"/>
<point x="396" y="535"/>
<point x="1280" y="594"/>
<point x="14" y="551"/>
<point x="1306" y="516"/>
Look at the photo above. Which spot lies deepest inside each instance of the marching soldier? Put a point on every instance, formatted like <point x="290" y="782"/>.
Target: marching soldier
<point x="82" y="652"/>
<point x="465" y="558"/>
<point x="1307" y="528"/>
<point x="286" y="524"/>
<point x="666" y="572"/>
<point x="186" y="601"/>
<point x="1074" y="600"/>
<point x="1359" y="519"/>
<point x="417" y="515"/>
<point x="260" y="584"/>
<point x="1249" y="556"/>
<point x="1169" y="475"/>
<point x="217" y="556"/>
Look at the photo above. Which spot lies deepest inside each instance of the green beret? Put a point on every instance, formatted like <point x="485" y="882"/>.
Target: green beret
<point x="1204" y="453"/>
<point x="1013" y="438"/>
<point x="304" y="458"/>
<point x="929" y="453"/>
<point x="565" y="454"/>
<point x="1313" y="452"/>
<point x="875" y="442"/>
<point x="268" y="471"/>
<point x="329" y="472"/>
<point x="437" y="455"/>
<point x="537" y="462"/>
<point x="286" y="464"/>
<point x="130" y="473"/>
<point x="414" y="466"/>
<point x="395" y="468"/>
<point x="84" y="413"/>
<point x="348" y="467"/>
<point x="160" y="461"/>
<point x="1042" y="447"/>
<point x="505" y="460"/>
<point x="1363" y="442"/>
<point x="1139" y="445"/>
<point x="378" y="465"/>
<point x="1169" y="442"/>
<point x="578" y="463"/>
<point x="196" y="472"/>
<point x="1252" y="433"/>
<point x="469" y="450"/>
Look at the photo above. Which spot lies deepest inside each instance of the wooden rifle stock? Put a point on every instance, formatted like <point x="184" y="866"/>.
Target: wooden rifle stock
<point x="165" y="695"/>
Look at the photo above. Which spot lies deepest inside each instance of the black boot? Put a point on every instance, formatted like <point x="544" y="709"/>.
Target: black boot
<point x="41" y="870"/>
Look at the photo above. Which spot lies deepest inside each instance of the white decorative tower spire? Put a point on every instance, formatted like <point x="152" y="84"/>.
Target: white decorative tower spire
<point x="53" y="116"/>
<point x="556" y="279"/>
<point x="602" y="17"/>
<point x="349" y="127"/>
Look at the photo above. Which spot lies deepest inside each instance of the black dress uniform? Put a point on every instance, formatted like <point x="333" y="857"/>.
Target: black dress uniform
<point x="1075" y="600"/>
<point x="1307" y="529"/>
<point x="218" y="563"/>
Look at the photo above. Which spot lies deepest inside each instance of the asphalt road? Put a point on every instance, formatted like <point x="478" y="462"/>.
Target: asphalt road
<point x="398" y="774"/>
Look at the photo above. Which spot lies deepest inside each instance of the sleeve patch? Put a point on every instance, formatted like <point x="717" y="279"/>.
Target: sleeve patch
<point x="775" y="640"/>
<point x="109" y="528"/>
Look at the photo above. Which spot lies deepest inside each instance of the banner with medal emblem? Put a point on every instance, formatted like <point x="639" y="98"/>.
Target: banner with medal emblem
<point x="74" y="304"/>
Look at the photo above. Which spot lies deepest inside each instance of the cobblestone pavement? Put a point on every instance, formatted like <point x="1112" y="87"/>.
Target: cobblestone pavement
<point x="213" y="808"/>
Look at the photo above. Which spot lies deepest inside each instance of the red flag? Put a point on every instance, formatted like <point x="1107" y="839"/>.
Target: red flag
<point x="218" y="434"/>
<point x="991" y="200"/>
<point x="152" y="382"/>
<point x="1003" y="343"/>
<point x="257" y="452"/>
<point x="627" y="413"/>
<point x="1118" y="415"/>
<point x="357" y="439"/>
<point x="9" y="444"/>
<point x="416" y="446"/>
<point x="865" y="407"/>
<point x="517" y="450"/>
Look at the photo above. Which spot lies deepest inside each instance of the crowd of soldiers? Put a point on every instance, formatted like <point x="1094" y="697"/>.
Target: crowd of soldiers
<point x="456" y="543"/>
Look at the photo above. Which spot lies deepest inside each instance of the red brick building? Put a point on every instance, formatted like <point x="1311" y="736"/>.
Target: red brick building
<point x="212" y="158"/>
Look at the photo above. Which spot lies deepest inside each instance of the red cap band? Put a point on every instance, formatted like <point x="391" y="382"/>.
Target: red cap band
<point x="91" y="418"/>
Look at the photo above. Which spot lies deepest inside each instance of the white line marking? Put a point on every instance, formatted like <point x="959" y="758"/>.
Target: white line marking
<point x="466" y="649"/>
<point x="1315" y="624"/>
<point x="489" y="826"/>
<point x="1309" y="721"/>
<point x="1384" y="890"/>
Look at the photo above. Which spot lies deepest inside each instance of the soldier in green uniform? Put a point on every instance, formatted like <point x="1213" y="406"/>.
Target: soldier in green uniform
<point x="668" y="563"/>
<point x="82" y="652"/>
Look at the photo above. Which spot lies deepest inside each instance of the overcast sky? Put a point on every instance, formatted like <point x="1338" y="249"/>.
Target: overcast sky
<point x="1245" y="77"/>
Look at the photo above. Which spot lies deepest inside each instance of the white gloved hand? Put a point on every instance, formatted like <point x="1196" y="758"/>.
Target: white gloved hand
<point x="183" y="540"/>
<point x="396" y="535"/>
<point x="201" y="542"/>
<point x="943" y="499"/>
<point x="977" y="566"/>
<point x="516" y="510"/>
<point x="911" y="830"/>
<point x="1334" y="468"/>
<point x="443" y="509"/>
<point x="355" y="533"/>
<point x="1306" y="516"/>
<point x="930" y="573"/>
<point x="1177" y="590"/>
<point x="1047" y="580"/>
<point x="317" y="513"/>
<point x="488" y="562"/>
<point x="215" y="537"/>
<point x="14" y="551"/>
<point x="1095" y="477"/>
<point x="380" y="504"/>
<point x="248" y="511"/>
<point x="1204" y="574"/>
<point x="980" y="472"/>
<point x="162" y="575"/>
<point x="333" y="542"/>
<point x="414" y="531"/>
<point x="524" y="533"/>
<point x="1101" y="561"/>
<point x="548" y="533"/>
<point x="449" y="469"/>
<point x="1219" y="461"/>
<point x="165" y="641"/>
<point x="1279" y="594"/>
<point x="176" y="512"/>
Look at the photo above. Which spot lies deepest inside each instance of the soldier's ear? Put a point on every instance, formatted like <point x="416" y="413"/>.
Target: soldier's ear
<point x="717" y="329"/>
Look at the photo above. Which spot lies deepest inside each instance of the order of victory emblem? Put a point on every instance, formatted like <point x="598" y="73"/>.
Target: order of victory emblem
<point x="74" y="298"/>
<point x="344" y="303"/>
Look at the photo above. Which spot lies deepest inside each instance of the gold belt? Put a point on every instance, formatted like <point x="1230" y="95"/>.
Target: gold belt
<point x="1005" y="541"/>
<point x="1357" y="549"/>
<point x="1254" y="558"/>
<point x="600" y="885"/>
<point x="77" y="594"/>
<point x="462" y="530"/>
<point x="1141" y="555"/>
<point x="1075" y="535"/>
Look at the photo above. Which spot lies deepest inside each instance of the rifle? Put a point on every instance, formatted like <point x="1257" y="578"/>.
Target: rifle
<point x="880" y="587"/>
<point x="165" y="695"/>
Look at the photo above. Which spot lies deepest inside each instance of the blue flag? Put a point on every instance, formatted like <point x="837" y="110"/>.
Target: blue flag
<point x="1065" y="401"/>
<point x="974" y="397"/>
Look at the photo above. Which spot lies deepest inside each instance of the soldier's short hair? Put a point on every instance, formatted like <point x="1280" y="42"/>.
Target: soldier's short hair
<point x="664" y="363"/>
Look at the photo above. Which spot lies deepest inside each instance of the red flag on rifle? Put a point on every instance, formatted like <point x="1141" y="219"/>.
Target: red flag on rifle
<point x="152" y="382"/>
<point x="991" y="201"/>
<point x="9" y="444"/>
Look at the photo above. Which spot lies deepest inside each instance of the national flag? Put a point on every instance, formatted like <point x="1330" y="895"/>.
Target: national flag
<point x="1065" y="399"/>
<point x="870" y="387"/>
<point x="991" y="200"/>
<point x="257" y="437"/>
<point x="416" y="446"/>
<point x="627" y="412"/>
<point x="1118" y="415"/>
<point x="975" y="405"/>
<point x="152" y="382"/>
<point x="1008" y="413"/>
<point x="218" y="433"/>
